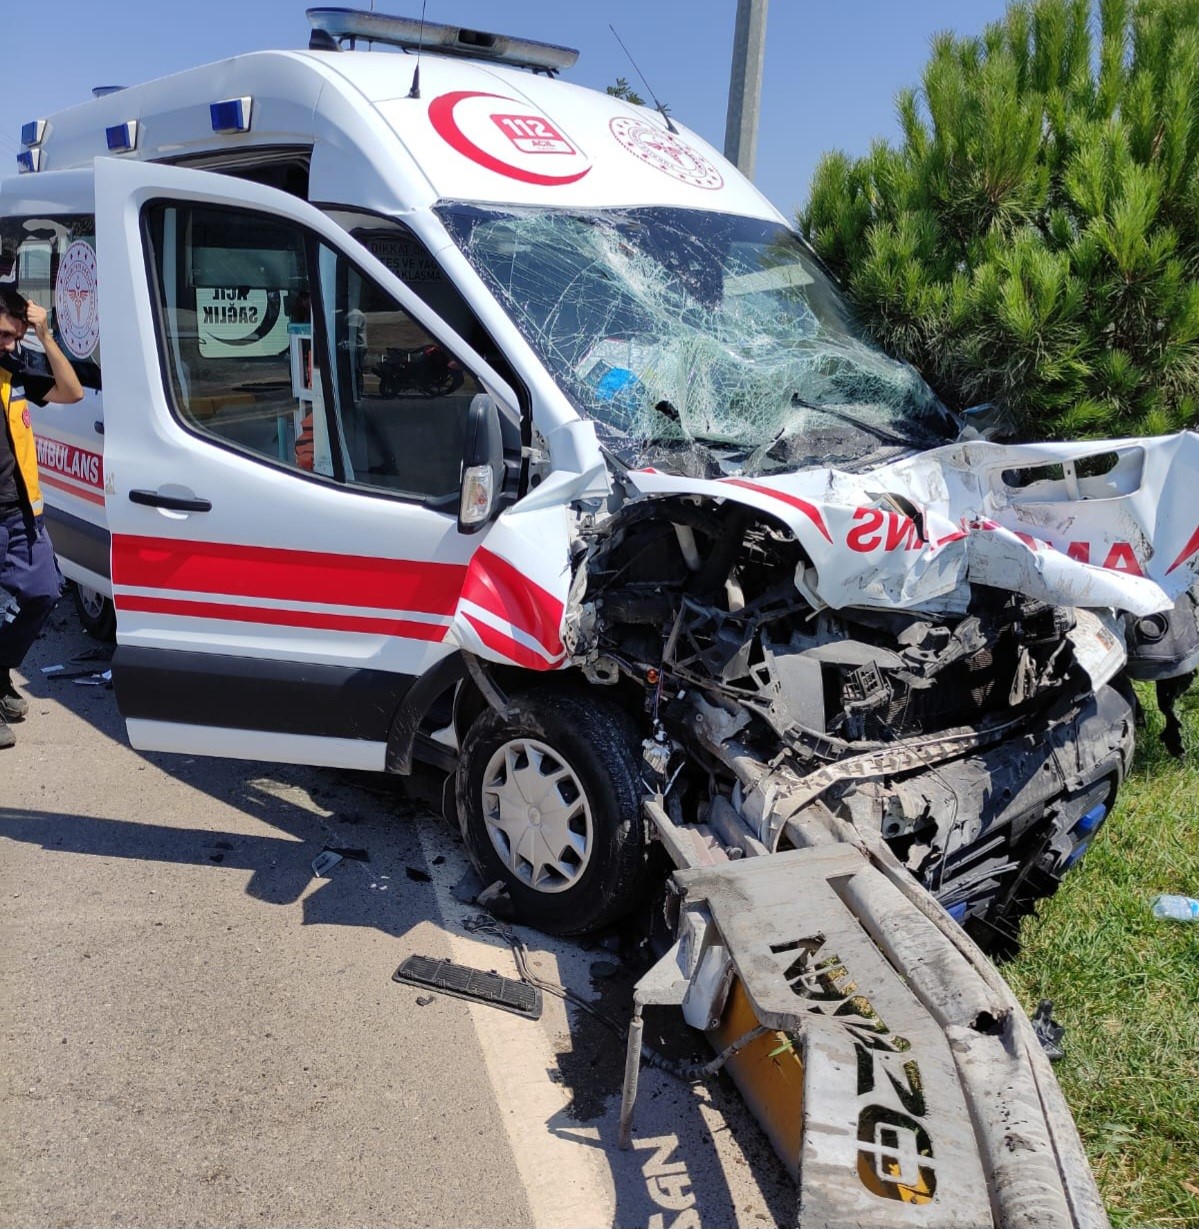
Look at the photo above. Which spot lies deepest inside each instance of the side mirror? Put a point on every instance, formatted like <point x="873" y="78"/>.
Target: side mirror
<point x="482" y="464"/>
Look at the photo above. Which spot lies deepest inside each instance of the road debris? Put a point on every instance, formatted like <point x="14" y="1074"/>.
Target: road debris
<point x="324" y="862"/>
<point x="475" y="985"/>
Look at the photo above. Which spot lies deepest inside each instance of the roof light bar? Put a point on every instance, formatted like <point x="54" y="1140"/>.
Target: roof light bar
<point x="29" y="160"/>
<point x="121" y="138"/>
<point x="231" y="114"/>
<point x="33" y="132"/>
<point x="445" y="40"/>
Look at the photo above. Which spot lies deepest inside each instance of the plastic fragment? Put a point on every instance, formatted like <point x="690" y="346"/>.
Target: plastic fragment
<point x="324" y="862"/>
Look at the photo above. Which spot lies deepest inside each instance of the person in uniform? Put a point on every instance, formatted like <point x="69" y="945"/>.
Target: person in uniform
<point x="30" y="582"/>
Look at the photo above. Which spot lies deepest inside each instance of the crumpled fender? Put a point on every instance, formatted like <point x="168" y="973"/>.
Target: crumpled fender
<point x="917" y="532"/>
<point x="513" y="598"/>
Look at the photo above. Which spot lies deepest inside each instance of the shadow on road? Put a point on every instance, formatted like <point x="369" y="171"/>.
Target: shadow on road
<point x="664" y="1180"/>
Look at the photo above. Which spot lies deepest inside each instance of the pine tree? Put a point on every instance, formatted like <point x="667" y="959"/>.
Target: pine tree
<point x="1033" y="241"/>
<point x="622" y="89"/>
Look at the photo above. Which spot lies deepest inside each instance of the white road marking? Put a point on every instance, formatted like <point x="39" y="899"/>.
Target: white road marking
<point x="565" y="1177"/>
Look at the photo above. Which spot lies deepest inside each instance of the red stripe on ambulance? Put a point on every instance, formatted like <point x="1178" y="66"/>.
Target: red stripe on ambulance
<point x="793" y="501"/>
<point x="285" y="575"/>
<point x="79" y="464"/>
<point x="495" y="585"/>
<point x="408" y="629"/>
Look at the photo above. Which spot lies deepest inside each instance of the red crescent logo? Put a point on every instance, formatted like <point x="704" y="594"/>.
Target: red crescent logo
<point x="441" y="116"/>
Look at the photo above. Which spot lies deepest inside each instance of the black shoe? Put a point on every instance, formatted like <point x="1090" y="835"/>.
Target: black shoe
<point x="7" y="737"/>
<point x="13" y="705"/>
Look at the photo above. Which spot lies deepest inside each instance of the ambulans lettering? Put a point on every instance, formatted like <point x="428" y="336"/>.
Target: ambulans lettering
<point x="1119" y="557"/>
<point x="668" y="1184"/>
<point x="875" y="527"/>
<point x="881" y="528"/>
<point x="55" y="457"/>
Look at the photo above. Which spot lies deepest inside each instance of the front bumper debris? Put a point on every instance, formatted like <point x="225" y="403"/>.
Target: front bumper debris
<point x="900" y="1083"/>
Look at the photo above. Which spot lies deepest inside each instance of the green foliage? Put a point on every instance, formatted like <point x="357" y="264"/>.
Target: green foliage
<point x="1033" y="241"/>
<point x="1124" y="984"/>
<point x="622" y="89"/>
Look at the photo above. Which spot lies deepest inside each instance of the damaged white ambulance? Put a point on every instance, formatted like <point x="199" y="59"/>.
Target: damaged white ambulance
<point x="452" y="411"/>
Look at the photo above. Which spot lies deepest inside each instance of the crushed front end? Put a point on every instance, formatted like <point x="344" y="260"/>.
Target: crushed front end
<point x="985" y="747"/>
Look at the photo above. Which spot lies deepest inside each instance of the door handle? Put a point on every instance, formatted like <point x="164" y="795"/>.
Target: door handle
<point x="176" y="503"/>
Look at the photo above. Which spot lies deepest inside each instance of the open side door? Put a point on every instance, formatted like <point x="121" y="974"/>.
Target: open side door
<point x="283" y="438"/>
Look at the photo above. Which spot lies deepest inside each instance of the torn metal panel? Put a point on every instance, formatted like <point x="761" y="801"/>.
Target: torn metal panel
<point x="887" y="1137"/>
<point x="922" y="1096"/>
<point x="919" y="532"/>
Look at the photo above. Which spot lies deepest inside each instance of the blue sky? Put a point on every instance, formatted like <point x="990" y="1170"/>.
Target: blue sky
<point x="832" y="66"/>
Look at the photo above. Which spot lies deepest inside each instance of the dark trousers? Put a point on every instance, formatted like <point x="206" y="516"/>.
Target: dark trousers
<point x="29" y="571"/>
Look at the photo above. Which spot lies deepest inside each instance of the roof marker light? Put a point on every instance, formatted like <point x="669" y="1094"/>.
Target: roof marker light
<point x="121" y="138"/>
<point x="231" y="115"/>
<point x="29" y="160"/>
<point x="33" y="132"/>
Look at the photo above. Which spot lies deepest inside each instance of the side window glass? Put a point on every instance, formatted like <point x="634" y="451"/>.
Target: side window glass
<point x="401" y="396"/>
<point x="236" y="316"/>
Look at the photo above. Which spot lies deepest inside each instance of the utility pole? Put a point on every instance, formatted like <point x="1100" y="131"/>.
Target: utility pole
<point x="745" y="85"/>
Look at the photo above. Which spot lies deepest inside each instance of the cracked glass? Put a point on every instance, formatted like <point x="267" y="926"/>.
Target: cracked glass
<point x="699" y="342"/>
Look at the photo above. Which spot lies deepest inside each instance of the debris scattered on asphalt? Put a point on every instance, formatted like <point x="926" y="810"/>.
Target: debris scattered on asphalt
<point x="93" y="680"/>
<point x="463" y="982"/>
<point x="467" y="889"/>
<point x="99" y="653"/>
<point x="423" y="1000"/>
<point x="417" y="876"/>
<point x="82" y="668"/>
<point x="496" y="901"/>
<point x="324" y="862"/>
<point x="354" y="855"/>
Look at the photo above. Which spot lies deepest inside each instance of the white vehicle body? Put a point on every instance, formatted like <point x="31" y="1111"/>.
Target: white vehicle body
<point x="342" y="610"/>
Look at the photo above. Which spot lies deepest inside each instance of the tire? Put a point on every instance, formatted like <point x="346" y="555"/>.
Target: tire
<point x="96" y="613"/>
<point x="581" y="756"/>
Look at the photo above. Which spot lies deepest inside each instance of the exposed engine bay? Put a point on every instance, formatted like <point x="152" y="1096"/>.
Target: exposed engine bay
<point x="977" y="744"/>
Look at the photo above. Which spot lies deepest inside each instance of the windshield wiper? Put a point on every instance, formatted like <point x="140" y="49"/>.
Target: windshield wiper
<point x="880" y="433"/>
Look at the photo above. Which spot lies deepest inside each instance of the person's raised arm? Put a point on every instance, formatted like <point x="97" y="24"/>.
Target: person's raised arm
<point x="67" y="389"/>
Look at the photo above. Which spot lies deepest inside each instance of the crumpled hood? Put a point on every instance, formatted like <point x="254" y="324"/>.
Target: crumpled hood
<point x="918" y="532"/>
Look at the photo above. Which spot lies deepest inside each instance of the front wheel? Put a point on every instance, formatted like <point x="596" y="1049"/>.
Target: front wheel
<point x="549" y="800"/>
<point x="96" y="613"/>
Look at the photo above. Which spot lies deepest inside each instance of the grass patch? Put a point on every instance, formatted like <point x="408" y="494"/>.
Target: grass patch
<point x="1127" y="986"/>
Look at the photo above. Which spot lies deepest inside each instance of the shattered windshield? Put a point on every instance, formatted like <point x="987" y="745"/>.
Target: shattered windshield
<point x="698" y="342"/>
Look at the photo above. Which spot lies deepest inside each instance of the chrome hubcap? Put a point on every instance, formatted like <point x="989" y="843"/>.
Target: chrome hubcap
<point x="91" y="601"/>
<point x="537" y="815"/>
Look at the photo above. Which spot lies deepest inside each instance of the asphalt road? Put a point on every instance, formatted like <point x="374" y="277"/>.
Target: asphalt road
<point x="200" y="1031"/>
